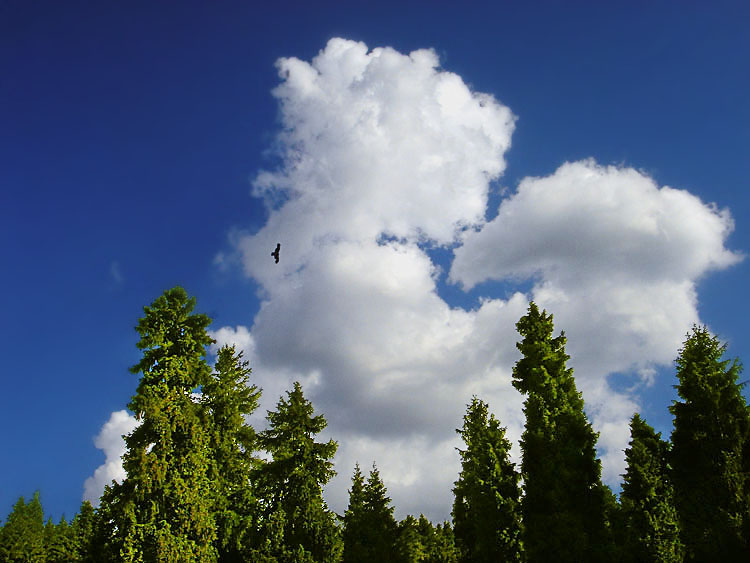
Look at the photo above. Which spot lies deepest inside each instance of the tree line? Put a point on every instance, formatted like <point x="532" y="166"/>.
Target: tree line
<point x="203" y="485"/>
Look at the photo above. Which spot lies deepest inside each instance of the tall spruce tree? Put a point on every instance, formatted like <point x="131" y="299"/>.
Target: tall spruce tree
<point x="647" y="498"/>
<point x="228" y="398"/>
<point x="354" y="521"/>
<point x="564" y="502"/>
<point x="83" y="526"/>
<point x="710" y="452"/>
<point x="290" y="484"/>
<point x="369" y="527"/>
<point x="486" y="508"/>
<point x="162" y="511"/>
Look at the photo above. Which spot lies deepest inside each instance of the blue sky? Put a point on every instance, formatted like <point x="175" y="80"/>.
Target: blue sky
<point x="133" y="134"/>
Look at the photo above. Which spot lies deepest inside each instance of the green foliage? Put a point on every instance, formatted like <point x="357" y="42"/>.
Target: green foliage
<point x="195" y="490"/>
<point x="564" y="501"/>
<point x="487" y="507"/>
<point x="59" y="542"/>
<point x="291" y="483"/>
<point x="652" y="530"/>
<point x="710" y="455"/>
<point x="163" y="510"/>
<point x="83" y="533"/>
<point x="369" y="527"/>
<point x="22" y="536"/>
<point x="419" y="541"/>
<point x="228" y="398"/>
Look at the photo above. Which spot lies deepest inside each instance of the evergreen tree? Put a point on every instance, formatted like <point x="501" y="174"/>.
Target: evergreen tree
<point x="369" y="527"/>
<point x="419" y="541"/>
<point x="564" y="502"/>
<point x="710" y="452"/>
<point x="228" y="398"/>
<point x="486" y="509"/>
<point x="83" y="533"/>
<point x="59" y="542"/>
<point x="410" y="545"/>
<point x="162" y="511"/>
<point x="652" y="530"/>
<point x="291" y="483"/>
<point x="22" y="536"/>
<point x="353" y="532"/>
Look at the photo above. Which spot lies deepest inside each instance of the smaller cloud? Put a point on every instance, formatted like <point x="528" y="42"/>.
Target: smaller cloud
<point x="110" y="441"/>
<point x="115" y="272"/>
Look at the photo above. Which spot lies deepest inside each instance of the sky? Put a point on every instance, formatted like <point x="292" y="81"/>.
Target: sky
<point x="428" y="167"/>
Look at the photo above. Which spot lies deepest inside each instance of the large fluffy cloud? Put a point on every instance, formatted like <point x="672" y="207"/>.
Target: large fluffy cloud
<point x="616" y="257"/>
<point x="384" y="156"/>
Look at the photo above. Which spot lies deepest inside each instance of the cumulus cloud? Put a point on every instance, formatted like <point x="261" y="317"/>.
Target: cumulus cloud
<point x="385" y="155"/>
<point x="616" y="258"/>
<point x="110" y="441"/>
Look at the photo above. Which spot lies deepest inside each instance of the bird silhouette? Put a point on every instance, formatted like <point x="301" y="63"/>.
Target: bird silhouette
<point x="275" y="253"/>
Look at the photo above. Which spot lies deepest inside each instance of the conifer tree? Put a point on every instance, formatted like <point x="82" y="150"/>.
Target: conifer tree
<point x="486" y="509"/>
<point x="228" y="398"/>
<point x="564" y="500"/>
<point x="83" y="534"/>
<point x="59" y="542"/>
<point x="651" y="526"/>
<point x="710" y="452"/>
<point x="353" y="532"/>
<point x="290" y="485"/>
<point x="162" y="511"/>
<point x="22" y="536"/>
<point x="369" y="527"/>
<point x="420" y="542"/>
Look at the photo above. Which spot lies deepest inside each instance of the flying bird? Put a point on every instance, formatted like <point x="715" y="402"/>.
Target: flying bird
<point x="275" y="253"/>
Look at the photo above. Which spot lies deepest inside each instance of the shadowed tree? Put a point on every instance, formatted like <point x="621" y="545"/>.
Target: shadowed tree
<point x="651" y="526"/>
<point x="290" y="484"/>
<point x="369" y="527"/>
<point x="564" y="502"/>
<point x="486" y="509"/>
<point x="710" y="452"/>
<point x="83" y="529"/>
<point x="228" y="398"/>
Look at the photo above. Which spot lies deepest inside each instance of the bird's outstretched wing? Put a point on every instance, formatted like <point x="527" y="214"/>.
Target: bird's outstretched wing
<point x="275" y="253"/>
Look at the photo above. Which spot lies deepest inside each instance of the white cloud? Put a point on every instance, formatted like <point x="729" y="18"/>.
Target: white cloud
<point x="385" y="153"/>
<point x="616" y="259"/>
<point x="110" y="441"/>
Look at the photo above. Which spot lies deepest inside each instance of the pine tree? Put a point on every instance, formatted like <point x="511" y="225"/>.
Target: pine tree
<point x="22" y="536"/>
<point x="291" y="483"/>
<point x="369" y="527"/>
<point x="162" y="511"/>
<point x="419" y="541"/>
<point x="564" y="500"/>
<point x="83" y="533"/>
<point x="353" y="532"/>
<point x="59" y="542"/>
<point x="228" y="398"/>
<point x="652" y="529"/>
<point x="710" y="452"/>
<point x="486" y="509"/>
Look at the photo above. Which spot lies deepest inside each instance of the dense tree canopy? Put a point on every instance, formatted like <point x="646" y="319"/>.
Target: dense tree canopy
<point x="202" y="485"/>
